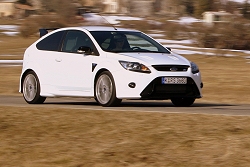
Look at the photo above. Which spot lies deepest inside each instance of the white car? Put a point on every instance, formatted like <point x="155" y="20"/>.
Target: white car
<point x="108" y="64"/>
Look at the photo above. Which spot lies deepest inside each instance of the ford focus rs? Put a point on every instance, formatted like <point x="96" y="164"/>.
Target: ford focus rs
<point x="106" y="64"/>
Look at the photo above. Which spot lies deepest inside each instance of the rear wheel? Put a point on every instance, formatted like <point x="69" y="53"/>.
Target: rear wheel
<point x="105" y="92"/>
<point x="183" y="102"/>
<point x="31" y="89"/>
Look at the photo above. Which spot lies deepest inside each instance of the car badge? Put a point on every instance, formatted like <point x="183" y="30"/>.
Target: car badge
<point x="173" y="69"/>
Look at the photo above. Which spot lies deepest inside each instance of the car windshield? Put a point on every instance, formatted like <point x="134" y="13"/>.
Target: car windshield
<point x="127" y="41"/>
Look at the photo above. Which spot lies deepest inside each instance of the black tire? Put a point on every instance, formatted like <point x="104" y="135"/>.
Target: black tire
<point x="31" y="89"/>
<point x="105" y="92"/>
<point x="183" y="102"/>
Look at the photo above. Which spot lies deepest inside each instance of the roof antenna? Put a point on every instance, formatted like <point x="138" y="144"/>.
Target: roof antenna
<point x="108" y="22"/>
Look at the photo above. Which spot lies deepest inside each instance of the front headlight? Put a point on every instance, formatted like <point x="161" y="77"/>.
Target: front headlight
<point x="194" y="67"/>
<point x="134" y="66"/>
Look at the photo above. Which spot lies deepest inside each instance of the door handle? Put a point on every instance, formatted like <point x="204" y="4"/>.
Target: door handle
<point x="58" y="60"/>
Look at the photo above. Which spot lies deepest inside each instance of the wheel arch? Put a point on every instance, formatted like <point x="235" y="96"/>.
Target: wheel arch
<point x="98" y="74"/>
<point x="113" y="101"/>
<point x="22" y="78"/>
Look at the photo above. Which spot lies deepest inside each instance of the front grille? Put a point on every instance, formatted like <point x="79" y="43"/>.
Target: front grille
<point x="179" y="68"/>
<point x="157" y="90"/>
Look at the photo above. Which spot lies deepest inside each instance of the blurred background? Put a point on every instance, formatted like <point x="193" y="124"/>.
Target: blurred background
<point x="222" y="24"/>
<point x="213" y="33"/>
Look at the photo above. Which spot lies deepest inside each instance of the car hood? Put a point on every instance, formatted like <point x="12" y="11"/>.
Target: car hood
<point x="158" y="58"/>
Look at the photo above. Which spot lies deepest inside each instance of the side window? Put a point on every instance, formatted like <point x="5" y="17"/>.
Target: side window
<point x="51" y="43"/>
<point x="75" y="39"/>
<point x="103" y="38"/>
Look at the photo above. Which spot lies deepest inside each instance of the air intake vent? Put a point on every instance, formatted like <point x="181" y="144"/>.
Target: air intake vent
<point x="174" y="68"/>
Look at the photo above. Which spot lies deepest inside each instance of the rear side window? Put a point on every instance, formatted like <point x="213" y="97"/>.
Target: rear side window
<point x="74" y="39"/>
<point x="51" y="43"/>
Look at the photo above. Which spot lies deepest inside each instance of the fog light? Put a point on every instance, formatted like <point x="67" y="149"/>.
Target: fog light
<point x="131" y="85"/>
<point x="201" y="85"/>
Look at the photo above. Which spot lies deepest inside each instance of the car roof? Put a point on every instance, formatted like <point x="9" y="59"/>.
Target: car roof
<point x="106" y="28"/>
<point x="44" y="31"/>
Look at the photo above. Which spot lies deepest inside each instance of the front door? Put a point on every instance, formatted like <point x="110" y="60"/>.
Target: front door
<point x="74" y="70"/>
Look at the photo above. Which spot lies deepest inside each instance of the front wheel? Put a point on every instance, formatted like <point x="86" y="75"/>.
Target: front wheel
<point x="183" y="102"/>
<point x="105" y="93"/>
<point x="31" y="89"/>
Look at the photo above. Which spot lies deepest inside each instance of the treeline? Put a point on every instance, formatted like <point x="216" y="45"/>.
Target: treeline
<point x="197" y="7"/>
<point x="191" y="7"/>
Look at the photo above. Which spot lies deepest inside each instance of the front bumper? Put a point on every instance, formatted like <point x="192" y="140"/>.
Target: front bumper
<point x="158" y="91"/>
<point x="133" y="85"/>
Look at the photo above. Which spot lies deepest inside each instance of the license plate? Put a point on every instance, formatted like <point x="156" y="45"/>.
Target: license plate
<point x="174" y="80"/>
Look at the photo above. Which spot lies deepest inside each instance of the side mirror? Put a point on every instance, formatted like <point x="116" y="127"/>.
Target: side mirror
<point x="84" y="50"/>
<point x="168" y="48"/>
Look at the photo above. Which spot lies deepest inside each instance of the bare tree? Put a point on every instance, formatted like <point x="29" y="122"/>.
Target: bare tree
<point x="202" y="6"/>
<point x="246" y="10"/>
<point x="64" y="8"/>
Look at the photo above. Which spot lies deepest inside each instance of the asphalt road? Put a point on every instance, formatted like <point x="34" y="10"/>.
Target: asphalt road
<point x="132" y="105"/>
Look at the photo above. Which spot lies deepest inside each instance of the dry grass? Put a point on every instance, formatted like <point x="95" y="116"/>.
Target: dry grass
<point x="14" y="46"/>
<point x="34" y="137"/>
<point x="9" y="21"/>
<point x="225" y="79"/>
<point x="9" y="80"/>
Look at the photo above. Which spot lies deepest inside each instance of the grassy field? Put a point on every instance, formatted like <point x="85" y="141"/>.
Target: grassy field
<point x="12" y="48"/>
<point x="225" y="79"/>
<point x="35" y="137"/>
